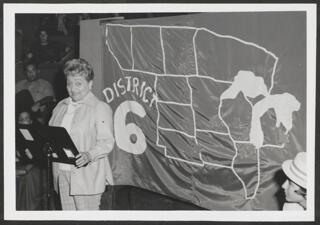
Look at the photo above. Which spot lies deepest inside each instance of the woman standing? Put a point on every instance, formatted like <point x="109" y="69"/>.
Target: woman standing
<point x="89" y="124"/>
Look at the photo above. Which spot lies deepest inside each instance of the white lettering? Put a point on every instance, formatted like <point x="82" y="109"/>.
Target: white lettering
<point x="128" y="82"/>
<point x="141" y="90"/>
<point x="121" y="86"/>
<point x="154" y="97"/>
<point x="132" y="84"/>
<point x="135" y="84"/>
<point x="144" y="94"/>
<point x="115" y="89"/>
<point x="105" y="92"/>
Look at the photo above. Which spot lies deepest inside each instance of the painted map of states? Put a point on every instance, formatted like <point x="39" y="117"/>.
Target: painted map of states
<point x="212" y="95"/>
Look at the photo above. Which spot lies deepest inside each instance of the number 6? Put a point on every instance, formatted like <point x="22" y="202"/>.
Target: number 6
<point x="123" y="133"/>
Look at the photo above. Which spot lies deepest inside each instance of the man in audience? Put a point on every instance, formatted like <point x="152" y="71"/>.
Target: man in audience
<point x="40" y="90"/>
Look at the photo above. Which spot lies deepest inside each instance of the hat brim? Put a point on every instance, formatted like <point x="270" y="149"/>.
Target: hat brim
<point x="286" y="169"/>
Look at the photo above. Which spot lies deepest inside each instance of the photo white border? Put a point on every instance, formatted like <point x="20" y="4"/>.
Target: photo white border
<point x="10" y="213"/>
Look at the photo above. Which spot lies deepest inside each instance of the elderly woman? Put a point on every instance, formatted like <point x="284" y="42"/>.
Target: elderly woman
<point x="89" y="123"/>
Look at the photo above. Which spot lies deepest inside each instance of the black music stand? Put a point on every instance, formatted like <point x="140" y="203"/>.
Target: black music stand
<point x="56" y="146"/>
<point x="63" y="149"/>
<point x="30" y="137"/>
<point x="59" y="148"/>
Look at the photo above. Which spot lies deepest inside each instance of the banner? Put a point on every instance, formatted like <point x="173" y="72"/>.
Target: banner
<point x="207" y="106"/>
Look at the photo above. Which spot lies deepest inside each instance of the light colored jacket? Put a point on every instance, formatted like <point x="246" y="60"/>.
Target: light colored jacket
<point x="91" y="131"/>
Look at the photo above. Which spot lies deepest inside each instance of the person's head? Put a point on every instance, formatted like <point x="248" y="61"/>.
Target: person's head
<point x="29" y="56"/>
<point x="79" y="75"/>
<point x="295" y="186"/>
<point x="31" y="71"/>
<point x="43" y="37"/>
<point x="24" y="118"/>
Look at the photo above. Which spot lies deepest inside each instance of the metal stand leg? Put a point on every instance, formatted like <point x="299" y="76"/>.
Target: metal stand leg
<point x="48" y="150"/>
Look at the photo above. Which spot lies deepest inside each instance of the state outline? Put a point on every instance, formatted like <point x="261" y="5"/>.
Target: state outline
<point x="187" y="76"/>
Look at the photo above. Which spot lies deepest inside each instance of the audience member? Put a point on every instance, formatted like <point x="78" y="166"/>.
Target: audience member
<point x="45" y="50"/>
<point x="296" y="184"/>
<point x="89" y="123"/>
<point x="24" y="118"/>
<point x="23" y="155"/>
<point x="26" y="150"/>
<point x="40" y="90"/>
<point x="28" y="57"/>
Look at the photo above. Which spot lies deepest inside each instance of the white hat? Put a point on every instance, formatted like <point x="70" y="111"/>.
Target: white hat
<point x="296" y="169"/>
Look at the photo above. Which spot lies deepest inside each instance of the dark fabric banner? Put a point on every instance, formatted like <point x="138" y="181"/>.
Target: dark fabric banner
<point x="207" y="106"/>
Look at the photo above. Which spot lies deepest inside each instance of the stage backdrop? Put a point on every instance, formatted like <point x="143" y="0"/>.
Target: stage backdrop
<point x="206" y="106"/>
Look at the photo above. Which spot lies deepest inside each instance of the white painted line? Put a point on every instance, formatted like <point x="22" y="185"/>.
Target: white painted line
<point x="242" y="142"/>
<point x="193" y="113"/>
<point x="213" y="164"/>
<point x="273" y="146"/>
<point x="174" y="103"/>
<point x="131" y="49"/>
<point x="178" y="131"/>
<point x="211" y="78"/>
<point x="195" y="52"/>
<point x="163" y="53"/>
<point x="212" y="131"/>
<point x="273" y="74"/>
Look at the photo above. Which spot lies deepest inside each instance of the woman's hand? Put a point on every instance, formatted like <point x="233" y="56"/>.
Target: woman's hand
<point x="83" y="159"/>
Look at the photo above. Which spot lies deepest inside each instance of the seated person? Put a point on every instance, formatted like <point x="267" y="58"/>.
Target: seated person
<point x="29" y="152"/>
<point x="28" y="57"/>
<point x="296" y="183"/>
<point x="40" y="90"/>
<point x="46" y="51"/>
<point x="23" y="155"/>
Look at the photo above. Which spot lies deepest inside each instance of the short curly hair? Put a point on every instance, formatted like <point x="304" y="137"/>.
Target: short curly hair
<point x="78" y="67"/>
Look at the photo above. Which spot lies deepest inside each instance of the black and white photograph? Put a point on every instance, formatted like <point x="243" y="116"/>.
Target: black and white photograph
<point x="159" y="112"/>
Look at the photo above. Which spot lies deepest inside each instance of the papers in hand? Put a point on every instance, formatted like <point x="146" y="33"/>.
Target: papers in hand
<point x="68" y="153"/>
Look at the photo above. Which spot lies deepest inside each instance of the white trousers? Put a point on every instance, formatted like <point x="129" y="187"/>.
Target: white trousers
<point x="75" y="202"/>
